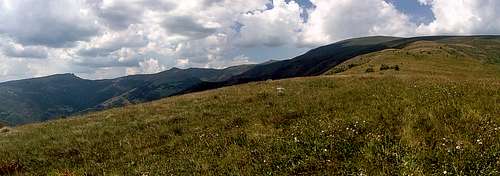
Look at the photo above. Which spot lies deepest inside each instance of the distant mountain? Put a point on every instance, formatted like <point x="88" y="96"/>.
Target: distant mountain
<point x="40" y="99"/>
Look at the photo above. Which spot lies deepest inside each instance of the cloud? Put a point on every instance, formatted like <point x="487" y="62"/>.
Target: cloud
<point x="120" y="14"/>
<point x="18" y="51"/>
<point x="159" y="5"/>
<point x="52" y="23"/>
<point x="187" y="26"/>
<point x="148" y="66"/>
<point x="14" y="68"/>
<point x="341" y="19"/>
<point x="111" y="42"/>
<point x="275" y="27"/>
<point x="122" y="58"/>
<point x="463" y="17"/>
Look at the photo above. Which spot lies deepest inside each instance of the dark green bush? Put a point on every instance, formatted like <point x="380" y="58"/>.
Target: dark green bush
<point x="396" y="67"/>
<point x="369" y="70"/>
<point x="384" y="67"/>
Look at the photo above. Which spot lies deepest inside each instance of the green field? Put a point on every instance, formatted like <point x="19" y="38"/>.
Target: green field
<point x="438" y="114"/>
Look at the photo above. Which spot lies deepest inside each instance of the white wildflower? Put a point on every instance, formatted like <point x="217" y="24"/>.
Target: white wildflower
<point x="280" y="90"/>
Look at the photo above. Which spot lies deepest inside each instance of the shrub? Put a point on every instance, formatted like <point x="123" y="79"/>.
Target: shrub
<point x="384" y="67"/>
<point x="396" y="67"/>
<point x="369" y="70"/>
<point x="352" y="65"/>
<point x="340" y="69"/>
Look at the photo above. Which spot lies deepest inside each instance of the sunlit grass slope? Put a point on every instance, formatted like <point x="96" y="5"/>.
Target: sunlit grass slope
<point x="439" y="114"/>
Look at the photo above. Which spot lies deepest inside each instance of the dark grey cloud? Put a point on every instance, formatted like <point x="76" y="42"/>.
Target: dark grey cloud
<point x="210" y="2"/>
<point x="120" y="16"/>
<point x="187" y="26"/>
<point x="25" y="52"/>
<point x="60" y="34"/>
<point x="158" y="5"/>
<point x="52" y="23"/>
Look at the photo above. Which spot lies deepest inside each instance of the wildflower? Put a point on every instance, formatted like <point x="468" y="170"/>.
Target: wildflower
<point x="325" y="150"/>
<point x="295" y="139"/>
<point x="458" y="147"/>
<point x="445" y="172"/>
<point x="280" y="90"/>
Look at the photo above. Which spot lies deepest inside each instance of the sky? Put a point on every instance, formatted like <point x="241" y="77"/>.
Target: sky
<point x="98" y="39"/>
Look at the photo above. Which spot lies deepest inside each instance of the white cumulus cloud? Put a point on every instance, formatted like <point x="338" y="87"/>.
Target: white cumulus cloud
<point x="342" y="19"/>
<point x="463" y="17"/>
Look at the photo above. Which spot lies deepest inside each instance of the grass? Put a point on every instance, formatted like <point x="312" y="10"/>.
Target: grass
<point x="434" y="116"/>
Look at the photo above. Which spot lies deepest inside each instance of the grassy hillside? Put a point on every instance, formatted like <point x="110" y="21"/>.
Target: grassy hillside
<point x="439" y="114"/>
